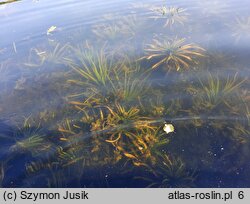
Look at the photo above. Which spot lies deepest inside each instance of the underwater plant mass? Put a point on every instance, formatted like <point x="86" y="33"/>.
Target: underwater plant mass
<point x="141" y="94"/>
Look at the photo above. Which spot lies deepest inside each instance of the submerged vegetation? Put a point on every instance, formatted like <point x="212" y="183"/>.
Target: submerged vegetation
<point x="31" y="139"/>
<point x="241" y="28"/>
<point x="171" y="15"/>
<point x="37" y="57"/>
<point x="116" y="29"/>
<point x="107" y="110"/>
<point x="8" y="1"/>
<point x="169" y="173"/>
<point x="216" y="91"/>
<point x="94" y="69"/>
<point x="174" y="53"/>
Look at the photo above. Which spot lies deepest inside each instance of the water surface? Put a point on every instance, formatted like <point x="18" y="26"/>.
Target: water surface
<point x="90" y="88"/>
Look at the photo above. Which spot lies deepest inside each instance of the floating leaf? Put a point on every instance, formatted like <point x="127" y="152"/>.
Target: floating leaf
<point x="51" y="29"/>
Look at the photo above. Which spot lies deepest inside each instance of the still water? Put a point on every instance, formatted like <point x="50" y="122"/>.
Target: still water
<point x="124" y="93"/>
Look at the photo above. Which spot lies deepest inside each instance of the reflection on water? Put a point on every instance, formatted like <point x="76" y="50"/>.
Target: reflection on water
<point x="135" y="94"/>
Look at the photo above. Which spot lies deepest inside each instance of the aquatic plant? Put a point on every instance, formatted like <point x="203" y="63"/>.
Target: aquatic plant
<point x="167" y="172"/>
<point x="105" y="81"/>
<point x="217" y="59"/>
<point x="129" y="118"/>
<point x="8" y="1"/>
<point x="37" y="56"/>
<point x="120" y="127"/>
<point x="239" y="132"/>
<point x="36" y="166"/>
<point x="123" y="115"/>
<point x="29" y="143"/>
<point x="125" y="26"/>
<point x="94" y="68"/>
<point x="108" y="32"/>
<point x="130" y="82"/>
<point x="240" y="28"/>
<point x="58" y="179"/>
<point x="57" y="55"/>
<point x="140" y="145"/>
<point x="247" y="112"/>
<point x="216" y="91"/>
<point x="94" y="71"/>
<point x="173" y="52"/>
<point x="118" y="33"/>
<point x="132" y="25"/>
<point x="88" y="148"/>
<point x="172" y="15"/>
<point x="30" y="138"/>
<point x="49" y="173"/>
<point x="132" y="135"/>
<point x="116" y="123"/>
<point x="20" y="83"/>
<point x="115" y="28"/>
<point x="155" y="104"/>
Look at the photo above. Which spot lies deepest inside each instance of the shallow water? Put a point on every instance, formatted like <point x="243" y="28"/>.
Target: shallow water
<point x="84" y="99"/>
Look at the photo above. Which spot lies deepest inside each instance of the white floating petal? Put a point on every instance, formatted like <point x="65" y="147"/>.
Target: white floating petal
<point x="51" y="29"/>
<point x="168" y="128"/>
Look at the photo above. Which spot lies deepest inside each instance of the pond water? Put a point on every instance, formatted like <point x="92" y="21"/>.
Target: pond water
<point x="124" y="93"/>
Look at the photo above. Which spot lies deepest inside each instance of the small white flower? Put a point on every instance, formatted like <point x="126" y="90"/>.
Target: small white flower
<point x="168" y="128"/>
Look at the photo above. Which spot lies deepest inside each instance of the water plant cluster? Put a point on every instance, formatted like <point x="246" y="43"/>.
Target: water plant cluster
<point x="102" y="122"/>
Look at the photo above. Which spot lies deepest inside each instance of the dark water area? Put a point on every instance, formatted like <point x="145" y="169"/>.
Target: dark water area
<point x="124" y="93"/>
